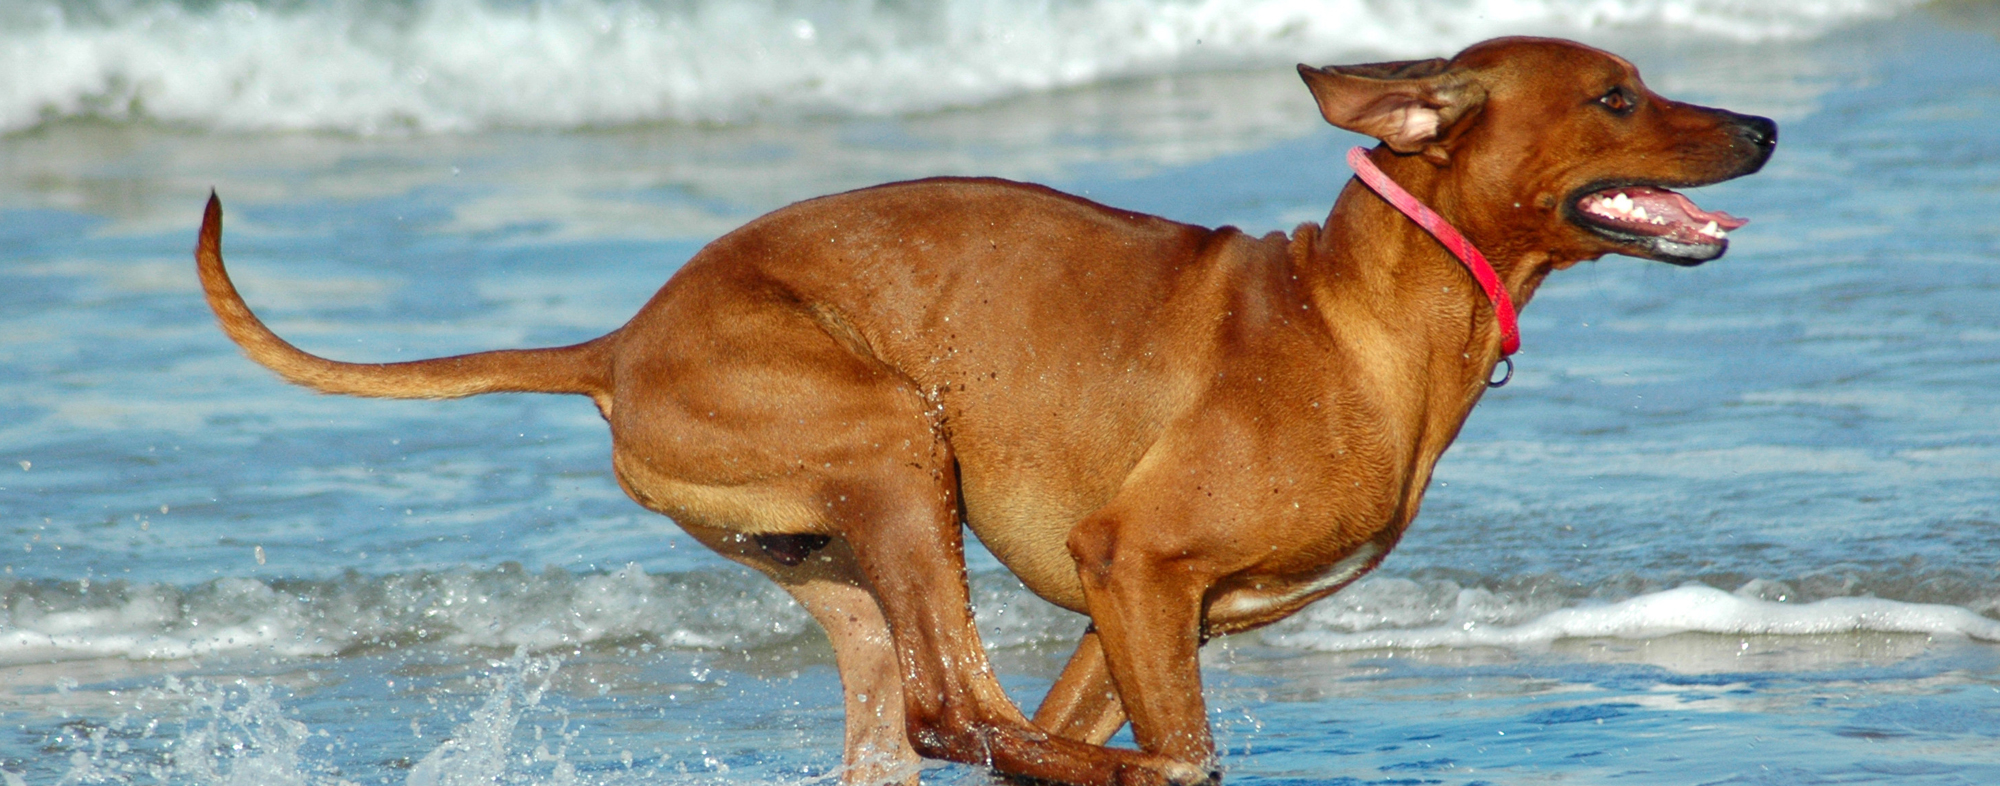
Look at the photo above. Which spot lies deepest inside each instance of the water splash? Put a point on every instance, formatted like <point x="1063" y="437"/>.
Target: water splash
<point x="221" y="734"/>
<point x="239" y="733"/>
<point x="480" y="751"/>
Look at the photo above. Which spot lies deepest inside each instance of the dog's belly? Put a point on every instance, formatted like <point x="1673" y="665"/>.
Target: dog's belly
<point x="1038" y="555"/>
<point x="1031" y="540"/>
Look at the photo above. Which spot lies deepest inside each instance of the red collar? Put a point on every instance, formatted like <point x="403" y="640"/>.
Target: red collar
<point x="1503" y="306"/>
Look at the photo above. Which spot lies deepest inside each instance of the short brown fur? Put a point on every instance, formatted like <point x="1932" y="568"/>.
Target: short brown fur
<point x="1178" y="431"/>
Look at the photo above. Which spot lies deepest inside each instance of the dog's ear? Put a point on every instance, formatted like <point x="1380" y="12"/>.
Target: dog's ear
<point x="1409" y="105"/>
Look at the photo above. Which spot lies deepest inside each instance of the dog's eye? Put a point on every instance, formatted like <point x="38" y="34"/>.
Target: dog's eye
<point x="1618" y="100"/>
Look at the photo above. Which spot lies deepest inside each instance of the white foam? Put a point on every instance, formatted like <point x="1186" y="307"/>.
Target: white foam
<point x="508" y="608"/>
<point x="505" y="608"/>
<point x="149" y="625"/>
<point x="457" y="65"/>
<point x="1687" y="609"/>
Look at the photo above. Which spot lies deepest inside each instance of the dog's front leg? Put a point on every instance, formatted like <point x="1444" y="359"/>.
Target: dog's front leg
<point x="1146" y="605"/>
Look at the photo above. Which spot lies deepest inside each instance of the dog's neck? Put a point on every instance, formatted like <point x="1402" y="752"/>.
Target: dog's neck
<point x="1448" y="236"/>
<point x="1371" y="258"/>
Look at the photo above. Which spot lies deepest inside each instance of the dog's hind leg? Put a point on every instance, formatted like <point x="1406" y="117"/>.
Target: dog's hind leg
<point x="878" y="747"/>
<point x="783" y="434"/>
<point x="908" y="540"/>
<point x="823" y="577"/>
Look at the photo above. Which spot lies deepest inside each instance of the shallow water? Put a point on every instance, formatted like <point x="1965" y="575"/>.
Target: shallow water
<point x="1734" y="524"/>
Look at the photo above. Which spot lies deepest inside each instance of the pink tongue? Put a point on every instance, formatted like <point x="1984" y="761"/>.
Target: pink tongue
<point x="1679" y="209"/>
<point x="1668" y="203"/>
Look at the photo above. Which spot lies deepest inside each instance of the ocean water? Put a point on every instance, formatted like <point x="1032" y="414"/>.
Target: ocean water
<point x="1733" y="524"/>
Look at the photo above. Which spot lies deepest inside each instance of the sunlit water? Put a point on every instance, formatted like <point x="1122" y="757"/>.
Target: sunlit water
<point x="1734" y="524"/>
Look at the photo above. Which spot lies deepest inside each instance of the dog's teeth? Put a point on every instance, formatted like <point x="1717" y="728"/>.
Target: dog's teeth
<point x="1622" y="203"/>
<point x="1640" y="213"/>
<point x="1714" y="230"/>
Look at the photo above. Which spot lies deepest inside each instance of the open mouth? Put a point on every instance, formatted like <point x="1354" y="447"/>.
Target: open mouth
<point x="1663" y="224"/>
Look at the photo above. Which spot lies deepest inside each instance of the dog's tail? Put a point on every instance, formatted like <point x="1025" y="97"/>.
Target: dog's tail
<point x="582" y="368"/>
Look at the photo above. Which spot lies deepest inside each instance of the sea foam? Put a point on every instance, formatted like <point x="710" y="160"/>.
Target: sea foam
<point x="1688" y="609"/>
<point x="551" y="611"/>
<point x="464" y="65"/>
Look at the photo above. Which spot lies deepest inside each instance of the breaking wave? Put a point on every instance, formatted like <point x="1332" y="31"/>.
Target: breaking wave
<point x="370" y="66"/>
<point x="511" y="608"/>
<point x="1474" y="618"/>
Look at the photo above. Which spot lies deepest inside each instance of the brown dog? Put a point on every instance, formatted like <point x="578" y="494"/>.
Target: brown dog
<point x="1179" y="431"/>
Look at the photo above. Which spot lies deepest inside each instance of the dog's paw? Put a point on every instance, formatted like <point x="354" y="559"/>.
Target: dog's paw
<point x="1170" y="773"/>
<point x="1189" y="775"/>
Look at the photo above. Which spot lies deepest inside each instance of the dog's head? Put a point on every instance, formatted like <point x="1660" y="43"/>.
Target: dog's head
<point x="1554" y="145"/>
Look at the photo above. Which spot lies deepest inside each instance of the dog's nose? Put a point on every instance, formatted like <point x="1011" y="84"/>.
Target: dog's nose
<point x="1755" y="139"/>
<point x="1760" y="131"/>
